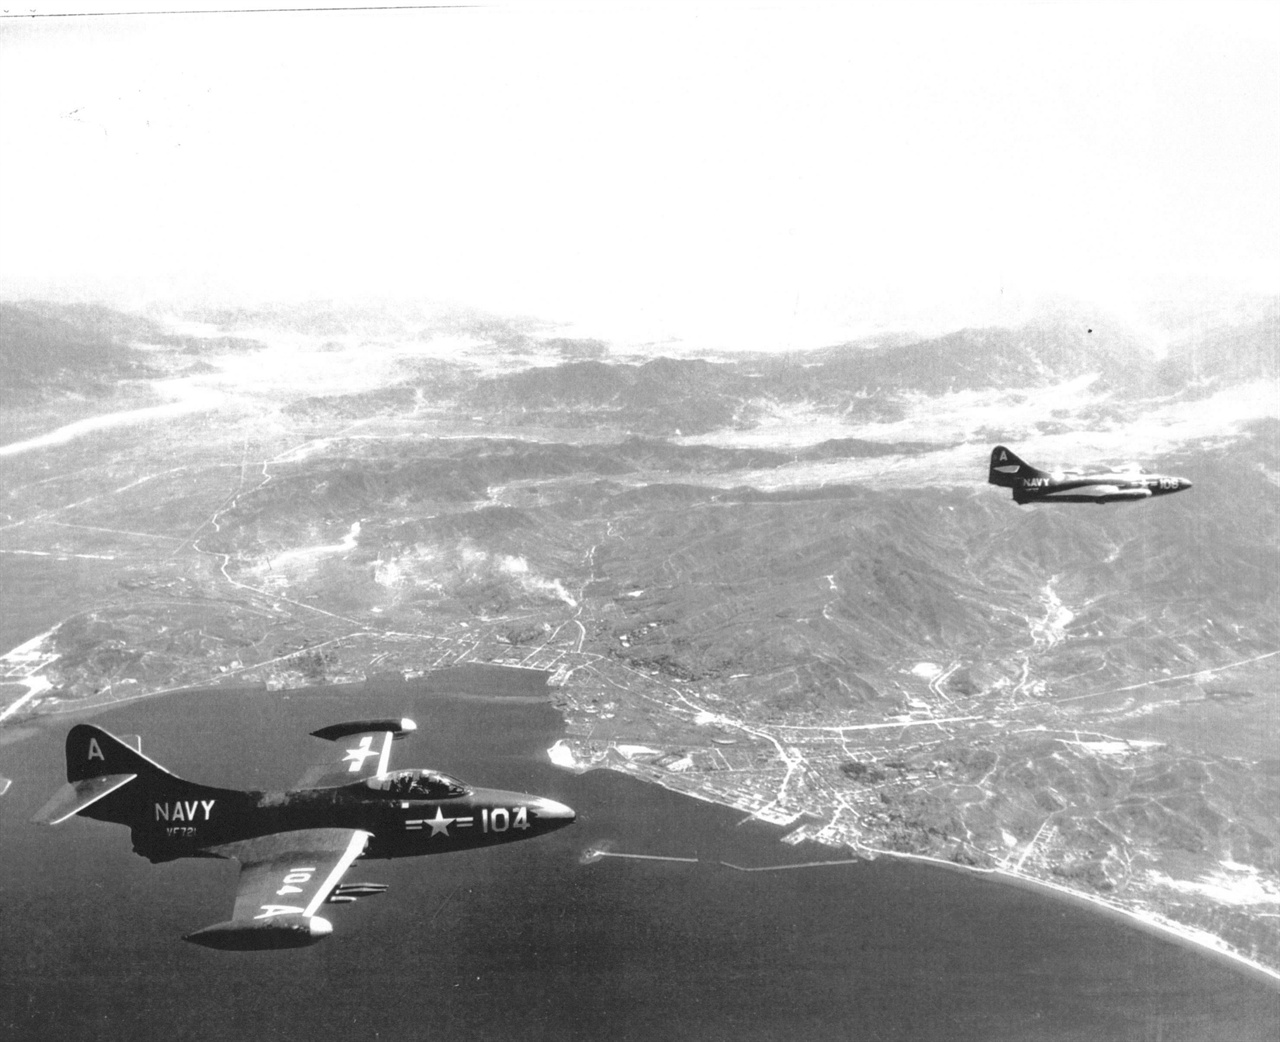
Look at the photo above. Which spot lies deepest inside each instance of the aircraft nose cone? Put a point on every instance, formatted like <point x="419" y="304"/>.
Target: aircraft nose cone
<point x="551" y="811"/>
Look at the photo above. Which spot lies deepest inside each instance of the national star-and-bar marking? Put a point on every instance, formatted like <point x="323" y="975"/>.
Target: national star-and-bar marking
<point x="439" y="824"/>
<point x="360" y="753"/>
<point x="357" y="755"/>
<point x="499" y="819"/>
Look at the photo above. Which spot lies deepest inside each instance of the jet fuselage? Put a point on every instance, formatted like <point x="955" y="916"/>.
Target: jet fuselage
<point x="175" y="826"/>
<point x="1030" y="485"/>
<point x="294" y="847"/>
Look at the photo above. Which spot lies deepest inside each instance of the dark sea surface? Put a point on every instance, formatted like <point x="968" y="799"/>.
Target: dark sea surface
<point x="530" y="942"/>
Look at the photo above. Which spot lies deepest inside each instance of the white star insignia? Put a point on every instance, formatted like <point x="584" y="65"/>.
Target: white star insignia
<point x="439" y="824"/>
<point x="359" y="754"/>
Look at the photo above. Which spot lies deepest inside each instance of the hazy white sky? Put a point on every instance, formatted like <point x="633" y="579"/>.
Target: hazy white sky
<point x="775" y="171"/>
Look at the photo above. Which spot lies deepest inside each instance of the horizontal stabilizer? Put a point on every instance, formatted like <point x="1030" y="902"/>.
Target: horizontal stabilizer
<point x="75" y="796"/>
<point x="1008" y="471"/>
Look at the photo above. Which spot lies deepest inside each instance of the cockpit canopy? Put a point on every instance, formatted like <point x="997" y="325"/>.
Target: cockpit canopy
<point x="417" y="784"/>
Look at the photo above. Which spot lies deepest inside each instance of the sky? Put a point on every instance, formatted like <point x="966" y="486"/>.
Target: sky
<point x="753" y="172"/>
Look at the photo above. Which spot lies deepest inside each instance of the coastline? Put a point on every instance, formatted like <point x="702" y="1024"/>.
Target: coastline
<point x="1151" y="923"/>
<point x="916" y="953"/>
<point x="22" y="666"/>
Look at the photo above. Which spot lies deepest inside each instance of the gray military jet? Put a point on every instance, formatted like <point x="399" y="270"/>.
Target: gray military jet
<point x="1030" y="485"/>
<point x="293" y="847"/>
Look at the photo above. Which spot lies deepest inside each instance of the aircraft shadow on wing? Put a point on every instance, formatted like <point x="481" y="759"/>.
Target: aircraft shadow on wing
<point x="294" y="847"/>
<point x="1031" y="485"/>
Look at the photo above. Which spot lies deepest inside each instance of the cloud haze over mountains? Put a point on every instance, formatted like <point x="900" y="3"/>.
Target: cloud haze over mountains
<point x="762" y="177"/>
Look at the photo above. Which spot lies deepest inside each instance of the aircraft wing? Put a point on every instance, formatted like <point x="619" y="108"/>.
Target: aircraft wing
<point x="1101" y="492"/>
<point x="362" y="750"/>
<point x="1115" y="492"/>
<point x="284" y="879"/>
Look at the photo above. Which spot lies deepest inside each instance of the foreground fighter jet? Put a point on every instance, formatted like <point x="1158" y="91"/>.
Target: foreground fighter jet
<point x="1068" y="486"/>
<point x="293" y="847"/>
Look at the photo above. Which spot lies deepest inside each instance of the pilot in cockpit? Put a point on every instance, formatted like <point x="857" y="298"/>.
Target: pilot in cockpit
<point x="418" y="785"/>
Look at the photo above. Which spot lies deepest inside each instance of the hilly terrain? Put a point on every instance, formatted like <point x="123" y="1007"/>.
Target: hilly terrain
<point x="63" y="349"/>
<point x="776" y="581"/>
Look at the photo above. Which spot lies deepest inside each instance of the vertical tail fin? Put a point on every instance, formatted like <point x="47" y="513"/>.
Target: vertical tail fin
<point x="93" y="752"/>
<point x="109" y="780"/>
<point x="1007" y="469"/>
<point x="99" y="765"/>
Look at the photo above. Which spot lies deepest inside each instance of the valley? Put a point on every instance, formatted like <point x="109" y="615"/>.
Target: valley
<point x="775" y="583"/>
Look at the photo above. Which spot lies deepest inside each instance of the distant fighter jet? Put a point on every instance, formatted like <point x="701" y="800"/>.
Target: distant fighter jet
<point x="293" y="847"/>
<point x="1068" y="486"/>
